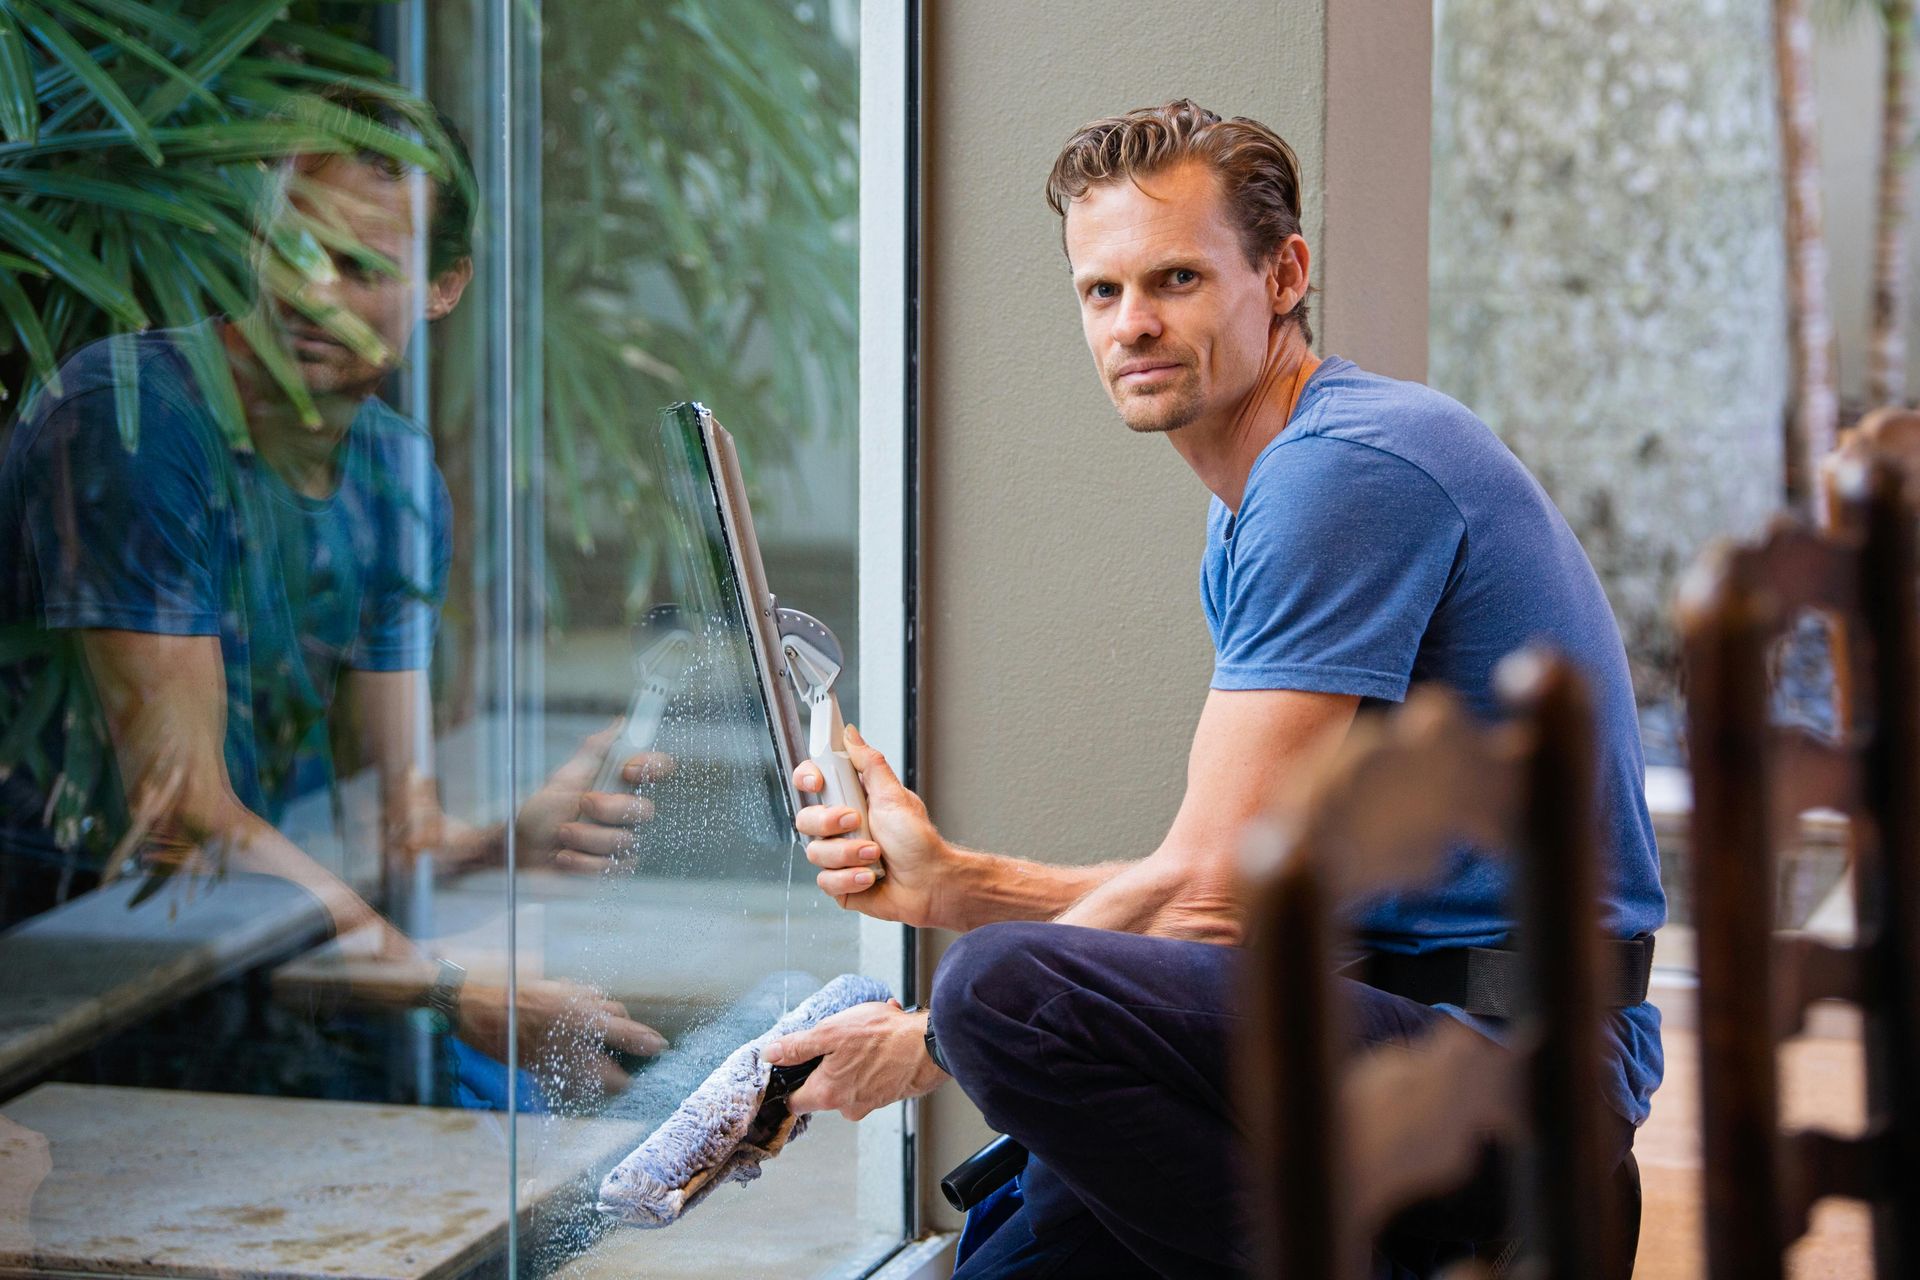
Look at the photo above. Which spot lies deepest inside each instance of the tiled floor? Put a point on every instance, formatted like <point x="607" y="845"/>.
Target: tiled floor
<point x="1822" y="1085"/>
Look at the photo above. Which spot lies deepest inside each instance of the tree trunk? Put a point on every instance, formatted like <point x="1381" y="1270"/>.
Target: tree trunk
<point x="1813" y="417"/>
<point x="1887" y="375"/>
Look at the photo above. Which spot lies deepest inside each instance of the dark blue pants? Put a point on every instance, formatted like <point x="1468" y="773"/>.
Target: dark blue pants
<point x="1107" y="1055"/>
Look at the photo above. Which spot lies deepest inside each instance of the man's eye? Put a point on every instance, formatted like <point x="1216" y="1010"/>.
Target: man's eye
<point x="1102" y="291"/>
<point x="1184" y="276"/>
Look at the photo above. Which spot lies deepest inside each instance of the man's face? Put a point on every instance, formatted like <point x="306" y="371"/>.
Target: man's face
<point x="382" y="214"/>
<point x="1176" y="317"/>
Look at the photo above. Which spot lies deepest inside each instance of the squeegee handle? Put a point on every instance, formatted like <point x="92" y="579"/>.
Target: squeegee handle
<point x="843" y="790"/>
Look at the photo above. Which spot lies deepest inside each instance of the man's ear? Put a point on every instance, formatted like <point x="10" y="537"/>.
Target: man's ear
<point x="444" y="290"/>
<point x="1287" y="275"/>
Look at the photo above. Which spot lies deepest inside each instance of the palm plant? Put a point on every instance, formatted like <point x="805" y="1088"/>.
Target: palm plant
<point x="138" y="143"/>
<point x="697" y="228"/>
<point x="699" y="218"/>
<point x="139" y="146"/>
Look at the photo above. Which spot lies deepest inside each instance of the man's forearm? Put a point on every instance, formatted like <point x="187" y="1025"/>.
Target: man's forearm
<point x="235" y="837"/>
<point x="1164" y="897"/>
<point x="984" y="888"/>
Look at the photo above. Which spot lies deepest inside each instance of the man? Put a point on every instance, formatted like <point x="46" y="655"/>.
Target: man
<point x="211" y="614"/>
<point x="1364" y="534"/>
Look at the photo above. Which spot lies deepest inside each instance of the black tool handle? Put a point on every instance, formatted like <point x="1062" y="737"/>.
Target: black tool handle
<point x="983" y="1173"/>
<point x="784" y="1080"/>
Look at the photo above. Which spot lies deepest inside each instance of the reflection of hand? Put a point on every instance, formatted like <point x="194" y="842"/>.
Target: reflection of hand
<point x="917" y="859"/>
<point x="564" y="1031"/>
<point x="570" y="827"/>
<point x="875" y="1053"/>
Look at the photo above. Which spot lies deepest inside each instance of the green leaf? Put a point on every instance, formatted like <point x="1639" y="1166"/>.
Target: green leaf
<point x="25" y="266"/>
<point x="159" y="21"/>
<point x="116" y="255"/>
<point x="102" y="193"/>
<point x="203" y="213"/>
<point x="243" y="25"/>
<point x="124" y="41"/>
<point x="105" y="89"/>
<point x="33" y="335"/>
<point x="227" y="140"/>
<point x="265" y="342"/>
<point x="19" y="110"/>
<point x="55" y="250"/>
<point x="327" y="47"/>
<point x="124" y="360"/>
<point x="364" y="134"/>
<point x="213" y="278"/>
<point x="182" y="307"/>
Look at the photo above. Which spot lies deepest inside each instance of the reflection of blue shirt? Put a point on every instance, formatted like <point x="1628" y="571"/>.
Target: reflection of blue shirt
<point x="1387" y="536"/>
<point x="166" y="528"/>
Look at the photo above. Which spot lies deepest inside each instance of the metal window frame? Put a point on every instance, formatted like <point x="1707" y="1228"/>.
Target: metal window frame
<point x="890" y="150"/>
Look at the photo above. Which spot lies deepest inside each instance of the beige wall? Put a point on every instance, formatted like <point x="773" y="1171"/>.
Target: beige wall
<point x="1064" y="655"/>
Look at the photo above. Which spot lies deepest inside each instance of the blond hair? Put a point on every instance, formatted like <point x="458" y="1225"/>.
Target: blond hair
<point x="1258" y="172"/>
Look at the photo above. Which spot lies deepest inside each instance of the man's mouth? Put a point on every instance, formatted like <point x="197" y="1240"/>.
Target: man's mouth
<point x="313" y="341"/>
<point x="1144" y="373"/>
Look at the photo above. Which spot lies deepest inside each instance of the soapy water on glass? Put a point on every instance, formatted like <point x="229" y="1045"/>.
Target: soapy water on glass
<point x="716" y="830"/>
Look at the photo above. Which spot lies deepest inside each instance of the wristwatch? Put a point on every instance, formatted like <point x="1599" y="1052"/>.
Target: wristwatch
<point x="933" y="1045"/>
<point x="443" y="997"/>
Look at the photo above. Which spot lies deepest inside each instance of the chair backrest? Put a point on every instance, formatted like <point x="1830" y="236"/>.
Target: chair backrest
<point x="1750" y="778"/>
<point x="1341" y="1144"/>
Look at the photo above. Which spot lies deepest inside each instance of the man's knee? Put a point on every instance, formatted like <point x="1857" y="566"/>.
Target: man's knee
<point x="984" y="993"/>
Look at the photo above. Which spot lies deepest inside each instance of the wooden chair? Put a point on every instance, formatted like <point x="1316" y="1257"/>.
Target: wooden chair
<point x="1343" y="1143"/>
<point x="1750" y="780"/>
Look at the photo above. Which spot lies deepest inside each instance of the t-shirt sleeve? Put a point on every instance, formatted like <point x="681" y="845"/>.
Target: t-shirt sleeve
<point x="403" y="608"/>
<point x="1340" y="556"/>
<point x="123" y="534"/>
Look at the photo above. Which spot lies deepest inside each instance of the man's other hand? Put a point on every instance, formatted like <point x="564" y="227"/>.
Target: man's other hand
<point x="875" y="1053"/>
<point x="567" y="826"/>
<point x="917" y="860"/>
<point x="567" y="1034"/>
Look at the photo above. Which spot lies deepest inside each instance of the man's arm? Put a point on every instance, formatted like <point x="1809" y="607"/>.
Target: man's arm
<point x="165" y="702"/>
<point x="563" y="824"/>
<point x="1245" y="743"/>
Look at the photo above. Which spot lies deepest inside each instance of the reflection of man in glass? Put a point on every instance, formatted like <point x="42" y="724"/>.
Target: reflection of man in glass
<point x="216" y="610"/>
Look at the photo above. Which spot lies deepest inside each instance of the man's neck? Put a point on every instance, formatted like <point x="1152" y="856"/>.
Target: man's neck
<point x="1222" y="452"/>
<point x="302" y="453"/>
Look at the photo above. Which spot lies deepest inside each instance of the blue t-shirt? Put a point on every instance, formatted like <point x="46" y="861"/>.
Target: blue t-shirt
<point x="162" y="526"/>
<point x="1388" y="537"/>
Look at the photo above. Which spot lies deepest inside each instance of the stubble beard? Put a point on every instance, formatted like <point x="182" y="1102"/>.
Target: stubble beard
<point x="1169" y="409"/>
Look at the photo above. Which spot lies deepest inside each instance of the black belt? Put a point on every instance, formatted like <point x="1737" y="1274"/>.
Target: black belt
<point x="1488" y="981"/>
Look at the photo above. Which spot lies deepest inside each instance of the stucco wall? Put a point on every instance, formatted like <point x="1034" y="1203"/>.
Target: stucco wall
<point x="1607" y="272"/>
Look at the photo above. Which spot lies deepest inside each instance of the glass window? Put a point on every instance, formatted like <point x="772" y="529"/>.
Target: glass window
<point x="391" y="828"/>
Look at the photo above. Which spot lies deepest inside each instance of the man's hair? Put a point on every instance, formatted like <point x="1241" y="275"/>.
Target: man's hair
<point x="450" y="224"/>
<point x="1259" y="174"/>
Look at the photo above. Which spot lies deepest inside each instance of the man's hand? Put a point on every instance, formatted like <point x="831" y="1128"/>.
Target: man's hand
<point x="918" y="861"/>
<point x="569" y="827"/>
<point x="567" y="1033"/>
<point x="875" y="1054"/>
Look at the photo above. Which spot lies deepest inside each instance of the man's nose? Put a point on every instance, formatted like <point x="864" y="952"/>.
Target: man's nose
<point x="1135" y="320"/>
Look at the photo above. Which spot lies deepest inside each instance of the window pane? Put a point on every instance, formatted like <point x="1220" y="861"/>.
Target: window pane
<point x="391" y="826"/>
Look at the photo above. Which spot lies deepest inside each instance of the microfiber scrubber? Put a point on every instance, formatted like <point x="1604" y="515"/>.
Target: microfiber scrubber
<point x="726" y="1127"/>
